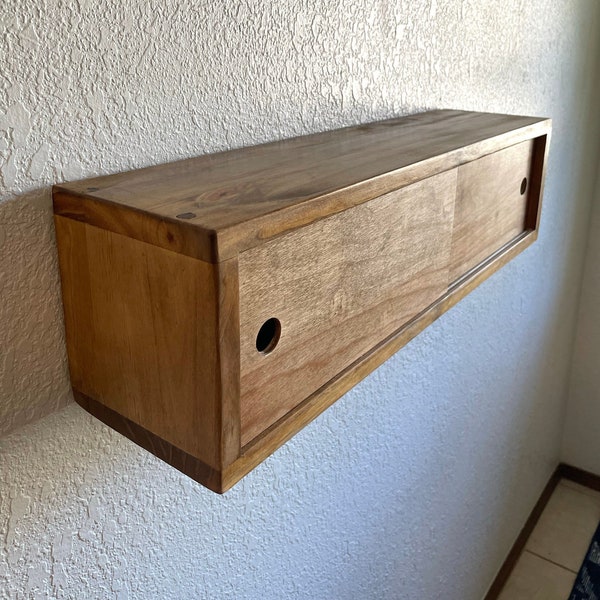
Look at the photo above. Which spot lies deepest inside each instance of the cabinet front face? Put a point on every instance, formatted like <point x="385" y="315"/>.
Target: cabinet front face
<point x="317" y="299"/>
<point x="491" y="205"/>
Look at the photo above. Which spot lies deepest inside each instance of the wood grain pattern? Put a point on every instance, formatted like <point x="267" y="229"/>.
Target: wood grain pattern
<point x="142" y="335"/>
<point x="171" y="234"/>
<point x="283" y="430"/>
<point x="228" y="359"/>
<point x="243" y="197"/>
<point x="490" y="209"/>
<point x="76" y="296"/>
<point x="338" y="287"/>
<point x="355" y="240"/>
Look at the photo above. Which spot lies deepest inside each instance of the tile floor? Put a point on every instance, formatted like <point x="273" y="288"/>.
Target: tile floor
<point x="556" y="548"/>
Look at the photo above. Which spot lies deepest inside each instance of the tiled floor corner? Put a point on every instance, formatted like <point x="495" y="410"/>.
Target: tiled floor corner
<point x="556" y="548"/>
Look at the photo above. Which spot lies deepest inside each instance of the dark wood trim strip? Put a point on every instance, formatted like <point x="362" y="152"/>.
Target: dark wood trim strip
<point x="580" y="476"/>
<point x="519" y="545"/>
<point x="539" y="161"/>
<point x="180" y="460"/>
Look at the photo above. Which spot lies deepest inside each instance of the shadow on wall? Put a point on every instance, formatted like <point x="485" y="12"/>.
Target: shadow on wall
<point x="33" y="365"/>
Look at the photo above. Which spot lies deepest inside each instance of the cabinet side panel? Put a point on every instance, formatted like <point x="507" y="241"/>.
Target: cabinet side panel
<point x="539" y="159"/>
<point x="338" y="287"/>
<point x="77" y="303"/>
<point x="151" y="331"/>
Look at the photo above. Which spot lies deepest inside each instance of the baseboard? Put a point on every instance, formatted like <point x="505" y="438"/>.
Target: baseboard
<point x="514" y="553"/>
<point x="580" y="476"/>
<point x="562" y="471"/>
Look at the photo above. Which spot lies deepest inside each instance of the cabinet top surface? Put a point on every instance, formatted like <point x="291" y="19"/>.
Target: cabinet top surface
<point x="302" y="179"/>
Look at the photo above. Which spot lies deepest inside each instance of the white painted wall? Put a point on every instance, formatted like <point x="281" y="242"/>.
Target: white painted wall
<point x="415" y="484"/>
<point x="581" y="442"/>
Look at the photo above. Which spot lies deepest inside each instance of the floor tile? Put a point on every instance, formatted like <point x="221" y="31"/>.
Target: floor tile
<point x="565" y="529"/>
<point x="581" y="488"/>
<point x="534" y="578"/>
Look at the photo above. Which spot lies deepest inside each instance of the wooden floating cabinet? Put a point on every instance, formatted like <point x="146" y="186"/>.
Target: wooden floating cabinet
<point x="215" y="306"/>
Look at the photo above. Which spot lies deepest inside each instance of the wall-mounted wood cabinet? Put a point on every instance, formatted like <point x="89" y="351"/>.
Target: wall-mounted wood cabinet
<point x="215" y="306"/>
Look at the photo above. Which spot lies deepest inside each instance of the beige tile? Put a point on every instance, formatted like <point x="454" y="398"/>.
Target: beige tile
<point x="566" y="527"/>
<point x="580" y="488"/>
<point x="534" y="578"/>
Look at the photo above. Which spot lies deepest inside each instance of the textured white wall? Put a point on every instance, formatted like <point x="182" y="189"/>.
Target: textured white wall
<point x="581" y="441"/>
<point x="415" y="484"/>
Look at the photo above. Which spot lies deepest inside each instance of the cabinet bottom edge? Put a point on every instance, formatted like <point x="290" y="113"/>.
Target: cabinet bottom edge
<point x="182" y="461"/>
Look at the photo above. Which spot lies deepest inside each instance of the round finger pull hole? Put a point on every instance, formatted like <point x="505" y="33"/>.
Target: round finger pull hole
<point x="268" y="335"/>
<point x="523" y="185"/>
<point x="188" y="215"/>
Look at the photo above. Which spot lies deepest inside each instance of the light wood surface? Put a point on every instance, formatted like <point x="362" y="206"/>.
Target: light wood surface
<point x="243" y="197"/>
<point x="490" y="209"/>
<point x="175" y="235"/>
<point x="142" y="336"/>
<point x="283" y="430"/>
<point x="354" y="240"/>
<point x="228" y="360"/>
<point x="338" y="287"/>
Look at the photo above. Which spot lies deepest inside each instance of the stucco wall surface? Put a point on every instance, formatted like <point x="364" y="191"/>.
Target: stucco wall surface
<point x="415" y="484"/>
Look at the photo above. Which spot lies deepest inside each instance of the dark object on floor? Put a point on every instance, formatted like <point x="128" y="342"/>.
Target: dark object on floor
<point x="587" y="584"/>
